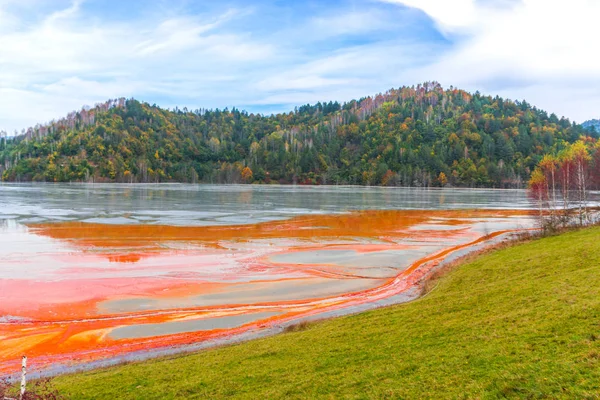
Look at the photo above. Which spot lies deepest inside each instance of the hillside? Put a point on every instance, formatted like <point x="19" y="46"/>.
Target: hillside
<point x="517" y="323"/>
<point x="411" y="136"/>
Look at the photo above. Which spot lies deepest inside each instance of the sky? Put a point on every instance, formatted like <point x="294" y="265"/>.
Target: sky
<point x="273" y="55"/>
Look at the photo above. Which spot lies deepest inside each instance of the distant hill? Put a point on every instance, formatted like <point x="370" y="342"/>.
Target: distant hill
<point x="593" y="124"/>
<point x="423" y="135"/>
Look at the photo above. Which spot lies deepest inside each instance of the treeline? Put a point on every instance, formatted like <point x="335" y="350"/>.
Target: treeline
<point x="412" y="136"/>
<point x="561" y="184"/>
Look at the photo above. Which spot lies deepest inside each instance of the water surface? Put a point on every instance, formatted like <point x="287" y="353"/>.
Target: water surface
<point x="89" y="272"/>
<point x="179" y="204"/>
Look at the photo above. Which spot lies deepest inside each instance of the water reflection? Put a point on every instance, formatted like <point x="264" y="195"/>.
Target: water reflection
<point x="175" y="204"/>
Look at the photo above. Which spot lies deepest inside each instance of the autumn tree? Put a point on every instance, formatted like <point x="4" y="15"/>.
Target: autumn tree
<point x="413" y="132"/>
<point x="575" y="169"/>
<point x="538" y="191"/>
<point x="247" y="174"/>
<point x="581" y="159"/>
<point x="548" y="167"/>
<point x="442" y="179"/>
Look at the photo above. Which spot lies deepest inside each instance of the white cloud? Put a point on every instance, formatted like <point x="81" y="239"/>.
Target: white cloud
<point x="68" y="59"/>
<point x="545" y="48"/>
<point x="450" y="15"/>
<point x="541" y="50"/>
<point x="345" y="74"/>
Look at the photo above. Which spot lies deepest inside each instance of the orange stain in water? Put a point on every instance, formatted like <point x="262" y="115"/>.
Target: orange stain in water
<point x="156" y="268"/>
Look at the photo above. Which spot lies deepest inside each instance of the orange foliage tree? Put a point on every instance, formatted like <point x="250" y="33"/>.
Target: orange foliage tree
<point x="570" y="175"/>
<point x="247" y="174"/>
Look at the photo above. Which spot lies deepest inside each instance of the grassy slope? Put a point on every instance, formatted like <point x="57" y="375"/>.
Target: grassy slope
<point x="521" y="322"/>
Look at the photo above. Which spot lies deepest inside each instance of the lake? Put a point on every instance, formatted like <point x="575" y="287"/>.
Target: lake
<point x="105" y="273"/>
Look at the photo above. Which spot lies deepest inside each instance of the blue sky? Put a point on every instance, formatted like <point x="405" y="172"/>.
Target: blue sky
<point x="270" y="56"/>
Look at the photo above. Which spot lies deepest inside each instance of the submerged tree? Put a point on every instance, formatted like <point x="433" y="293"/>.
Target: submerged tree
<point x="576" y="170"/>
<point x="581" y="160"/>
<point x="538" y="191"/>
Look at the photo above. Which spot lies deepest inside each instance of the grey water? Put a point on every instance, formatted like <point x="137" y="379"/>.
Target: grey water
<point x="171" y="328"/>
<point x="181" y="204"/>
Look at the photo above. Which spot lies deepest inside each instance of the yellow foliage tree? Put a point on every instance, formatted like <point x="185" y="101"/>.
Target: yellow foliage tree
<point x="247" y="174"/>
<point x="442" y="179"/>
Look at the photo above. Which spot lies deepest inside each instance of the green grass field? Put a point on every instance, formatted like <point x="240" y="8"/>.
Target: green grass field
<point x="522" y="322"/>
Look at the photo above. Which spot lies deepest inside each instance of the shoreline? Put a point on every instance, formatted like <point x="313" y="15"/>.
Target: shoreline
<point x="430" y="266"/>
<point x="285" y="185"/>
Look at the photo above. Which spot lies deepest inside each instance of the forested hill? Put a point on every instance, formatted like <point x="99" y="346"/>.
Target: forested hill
<point x="412" y="136"/>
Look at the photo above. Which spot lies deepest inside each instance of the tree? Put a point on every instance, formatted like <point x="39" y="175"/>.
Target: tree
<point x="537" y="188"/>
<point x="442" y="180"/>
<point x="412" y="132"/>
<point x="574" y="167"/>
<point x="247" y="174"/>
<point x="581" y="159"/>
<point x="548" y="167"/>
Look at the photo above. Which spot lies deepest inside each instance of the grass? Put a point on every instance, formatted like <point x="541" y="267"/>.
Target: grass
<point x="521" y="322"/>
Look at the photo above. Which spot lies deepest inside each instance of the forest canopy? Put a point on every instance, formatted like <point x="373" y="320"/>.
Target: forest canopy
<point x="422" y="135"/>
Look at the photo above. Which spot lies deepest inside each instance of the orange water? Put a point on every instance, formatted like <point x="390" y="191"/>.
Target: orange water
<point x="106" y="290"/>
